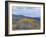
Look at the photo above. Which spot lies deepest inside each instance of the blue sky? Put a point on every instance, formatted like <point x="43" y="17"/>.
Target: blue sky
<point x="27" y="11"/>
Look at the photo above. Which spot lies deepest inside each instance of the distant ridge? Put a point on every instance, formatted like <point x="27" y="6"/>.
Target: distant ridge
<point x="22" y="16"/>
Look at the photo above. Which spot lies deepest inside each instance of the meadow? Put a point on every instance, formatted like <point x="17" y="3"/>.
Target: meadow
<point x="20" y="22"/>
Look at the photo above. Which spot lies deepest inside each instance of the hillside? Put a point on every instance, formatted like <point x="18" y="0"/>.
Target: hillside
<point x="24" y="22"/>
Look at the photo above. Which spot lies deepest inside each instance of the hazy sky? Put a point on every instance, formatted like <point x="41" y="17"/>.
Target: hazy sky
<point x="27" y="11"/>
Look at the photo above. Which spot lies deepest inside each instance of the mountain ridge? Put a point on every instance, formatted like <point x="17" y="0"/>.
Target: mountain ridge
<point x="22" y="16"/>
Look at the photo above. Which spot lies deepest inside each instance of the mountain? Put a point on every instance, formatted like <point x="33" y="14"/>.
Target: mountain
<point x="24" y="22"/>
<point x="21" y="16"/>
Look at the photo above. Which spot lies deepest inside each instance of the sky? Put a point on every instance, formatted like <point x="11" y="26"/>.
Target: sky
<point x="26" y="11"/>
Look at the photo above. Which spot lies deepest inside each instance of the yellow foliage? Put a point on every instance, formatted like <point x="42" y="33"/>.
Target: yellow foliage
<point x="28" y="20"/>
